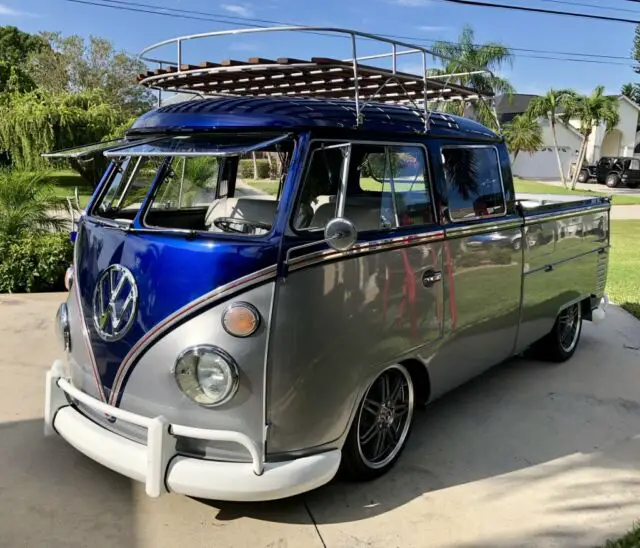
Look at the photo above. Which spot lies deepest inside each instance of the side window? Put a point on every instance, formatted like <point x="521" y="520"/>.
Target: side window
<point x="318" y="197"/>
<point x="474" y="182"/>
<point x="399" y="174"/>
<point x="387" y="187"/>
<point x="634" y="165"/>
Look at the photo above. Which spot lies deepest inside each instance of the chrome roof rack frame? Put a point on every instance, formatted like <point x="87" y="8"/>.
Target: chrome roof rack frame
<point x="315" y="78"/>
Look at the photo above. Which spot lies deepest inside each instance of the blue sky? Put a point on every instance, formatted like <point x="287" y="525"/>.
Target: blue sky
<point x="425" y="19"/>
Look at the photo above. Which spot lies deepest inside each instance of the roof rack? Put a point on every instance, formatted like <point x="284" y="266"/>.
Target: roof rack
<point x="317" y="77"/>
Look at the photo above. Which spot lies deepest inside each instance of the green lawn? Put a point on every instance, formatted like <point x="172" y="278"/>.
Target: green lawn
<point x="624" y="266"/>
<point x="630" y="540"/>
<point x="265" y="185"/>
<point x="64" y="183"/>
<point x="533" y="187"/>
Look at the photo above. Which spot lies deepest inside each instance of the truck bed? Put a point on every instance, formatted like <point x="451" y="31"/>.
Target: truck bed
<point x="565" y="256"/>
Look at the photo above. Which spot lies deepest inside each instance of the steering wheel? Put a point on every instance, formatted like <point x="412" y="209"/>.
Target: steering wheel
<point x="224" y="224"/>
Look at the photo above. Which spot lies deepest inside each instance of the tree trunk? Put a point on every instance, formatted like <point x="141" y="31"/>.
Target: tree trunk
<point x="555" y="146"/>
<point x="581" y="155"/>
<point x="255" y="165"/>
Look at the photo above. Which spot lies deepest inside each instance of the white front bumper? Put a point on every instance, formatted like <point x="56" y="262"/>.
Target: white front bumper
<point x="162" y="469"/>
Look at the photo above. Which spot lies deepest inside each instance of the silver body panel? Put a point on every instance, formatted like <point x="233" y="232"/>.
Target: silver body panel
<point x="337" y="324"/>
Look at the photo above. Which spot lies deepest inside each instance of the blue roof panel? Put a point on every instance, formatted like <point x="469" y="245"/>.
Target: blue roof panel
<point x="294" y="113"/>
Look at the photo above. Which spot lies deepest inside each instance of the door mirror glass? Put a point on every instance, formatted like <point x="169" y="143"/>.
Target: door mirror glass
<point x="340" y="234"/>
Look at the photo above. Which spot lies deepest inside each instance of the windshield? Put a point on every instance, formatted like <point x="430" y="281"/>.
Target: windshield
<point x="217" y="184"/>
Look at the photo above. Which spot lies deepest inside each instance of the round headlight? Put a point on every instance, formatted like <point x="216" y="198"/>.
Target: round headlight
<point x="240" y="320"/>
<point x="207" y="375"/>
<point x="62" y="326"/>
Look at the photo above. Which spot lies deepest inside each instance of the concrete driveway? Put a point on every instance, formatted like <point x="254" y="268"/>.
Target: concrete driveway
<point x="530" y="454"/>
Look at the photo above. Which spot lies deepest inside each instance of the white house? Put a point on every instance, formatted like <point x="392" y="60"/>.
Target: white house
<point x="623" y="140"/>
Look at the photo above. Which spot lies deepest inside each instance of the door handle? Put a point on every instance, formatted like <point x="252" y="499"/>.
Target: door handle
<point x="431" y="277"/>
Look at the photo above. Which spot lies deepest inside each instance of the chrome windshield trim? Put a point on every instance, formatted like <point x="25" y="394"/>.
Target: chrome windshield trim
<point x="84" y="150"/>
<point x="130" y="150"/>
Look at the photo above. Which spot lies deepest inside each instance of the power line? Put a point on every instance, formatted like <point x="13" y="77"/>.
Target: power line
<point x="591" y="6"/>
<point x="248" y="21"/>
<point x="528" y="9"/>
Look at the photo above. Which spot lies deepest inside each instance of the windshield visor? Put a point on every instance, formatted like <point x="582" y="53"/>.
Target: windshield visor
<point x="213" y="184"/>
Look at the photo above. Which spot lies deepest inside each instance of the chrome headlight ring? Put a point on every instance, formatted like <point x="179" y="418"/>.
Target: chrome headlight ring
<point x="63" y="328"/>
<point x="207" y="375"/>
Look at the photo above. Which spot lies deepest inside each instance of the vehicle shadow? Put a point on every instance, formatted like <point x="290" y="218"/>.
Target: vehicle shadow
<point x="522" y="419"/>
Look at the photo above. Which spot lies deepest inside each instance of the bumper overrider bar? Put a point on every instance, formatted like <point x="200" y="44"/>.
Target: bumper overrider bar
<point x="161" y="468"/>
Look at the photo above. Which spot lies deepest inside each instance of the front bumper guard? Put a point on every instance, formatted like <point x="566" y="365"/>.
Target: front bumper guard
<point x="161" y="468"/>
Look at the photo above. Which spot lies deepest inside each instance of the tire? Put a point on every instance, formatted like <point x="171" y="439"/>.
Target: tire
<point x="517" y="244"/>
<point x="561" y="342"/>
<point x="613" y="180"/>
<point x="380" y="431"/>
<point x="583" y="176"/>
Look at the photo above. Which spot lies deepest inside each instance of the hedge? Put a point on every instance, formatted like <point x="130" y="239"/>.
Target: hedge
<point x="245" y="169"/>
<point x="34" y="263"/>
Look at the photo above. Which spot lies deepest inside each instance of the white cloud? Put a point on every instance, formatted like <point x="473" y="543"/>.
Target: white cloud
<point x="10" y="12"/>
<point x="432" y="28"/>
<point x="237" y="9"/>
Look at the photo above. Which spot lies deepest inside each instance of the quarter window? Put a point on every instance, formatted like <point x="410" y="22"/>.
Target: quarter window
<point x="474" y="182"/>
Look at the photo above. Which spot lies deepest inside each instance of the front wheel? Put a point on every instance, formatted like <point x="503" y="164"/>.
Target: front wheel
<point x="381" y="426"/>
<point x="561" y="343"/>
<point x="612" y="180"/>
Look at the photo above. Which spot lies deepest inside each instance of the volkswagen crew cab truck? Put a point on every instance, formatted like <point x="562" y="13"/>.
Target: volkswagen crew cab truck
<point x="235" y="340"/>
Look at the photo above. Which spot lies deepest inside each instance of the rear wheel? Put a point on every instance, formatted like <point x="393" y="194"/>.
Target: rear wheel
<point x="583" y="176"/>
<point x="561" y="343"/>
<point x="613" y="180"/>
<point x="381" y="426"/>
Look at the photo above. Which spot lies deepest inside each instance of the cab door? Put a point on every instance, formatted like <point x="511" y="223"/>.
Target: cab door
<point x="483" y="252"/>
<point x="342" y="316"/>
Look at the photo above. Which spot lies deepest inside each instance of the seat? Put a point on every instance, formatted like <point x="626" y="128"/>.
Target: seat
<point x="260" y="210"/>
<point x="363" y="212"/>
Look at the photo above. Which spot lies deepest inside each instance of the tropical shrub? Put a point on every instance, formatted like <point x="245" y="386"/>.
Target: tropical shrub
<point x="28" y="204"/>
<point x="34" y="262"/>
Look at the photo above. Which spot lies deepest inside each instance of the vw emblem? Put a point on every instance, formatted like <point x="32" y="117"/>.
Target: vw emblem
<point x="115" y="303"/>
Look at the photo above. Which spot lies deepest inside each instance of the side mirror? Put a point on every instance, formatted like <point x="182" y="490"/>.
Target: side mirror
<point x="340" y="234"/>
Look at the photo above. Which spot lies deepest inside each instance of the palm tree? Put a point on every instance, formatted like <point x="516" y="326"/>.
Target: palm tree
<point x="467" y="56"/>
<point x="27" y="204"/>
<point x="550" y="106"/>
<point x="632" y="91"/>
<point x="523" y="134"/>
<point x="592" y="111"/>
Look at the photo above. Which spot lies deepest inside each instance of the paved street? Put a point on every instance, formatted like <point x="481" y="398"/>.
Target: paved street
<point x="530" y="454"/>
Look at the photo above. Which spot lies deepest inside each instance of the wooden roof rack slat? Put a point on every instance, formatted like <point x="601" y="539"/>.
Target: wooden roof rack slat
<point x="232" y="63"/>
<point x="290" y="61"/>
<point x="261" y="61"/>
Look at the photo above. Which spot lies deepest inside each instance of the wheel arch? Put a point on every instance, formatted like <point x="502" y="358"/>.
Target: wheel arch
<point x="420" y="377"/>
